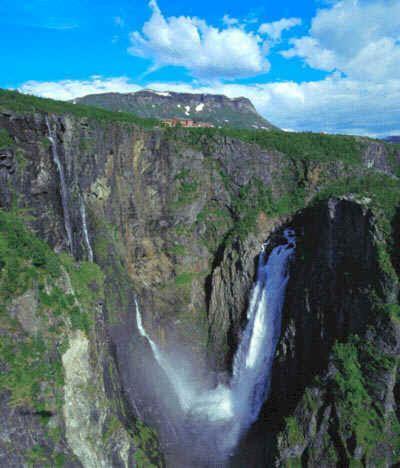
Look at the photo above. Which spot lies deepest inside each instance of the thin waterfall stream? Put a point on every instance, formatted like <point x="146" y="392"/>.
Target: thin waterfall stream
<point x="221" y="415"/>
<point x="85" y="229"/>
<point x="63" y="186"/>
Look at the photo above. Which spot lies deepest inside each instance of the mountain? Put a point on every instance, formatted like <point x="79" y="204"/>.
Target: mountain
<point x="139" y="267"/>
<point x="393" y="139"/>
<point x="218" y="110"/>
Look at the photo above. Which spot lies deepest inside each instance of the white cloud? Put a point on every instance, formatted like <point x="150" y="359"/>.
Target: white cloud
<point x="334" y="105"/>
<point x="70" y="89"/>
<point x="275" y="29"/>
<point x="229" y="21"/>
<point x="207" y="52"/>
<point x="358" y="38"/>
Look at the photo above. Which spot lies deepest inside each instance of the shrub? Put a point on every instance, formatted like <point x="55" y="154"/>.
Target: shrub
<point x="5" y="139"/>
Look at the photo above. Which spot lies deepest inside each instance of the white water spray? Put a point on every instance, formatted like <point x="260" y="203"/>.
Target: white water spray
<point x="237" y="405"/>
<point x="174" y="378"/>
<point x="63" y="185"/>
<point x="85" y="230"/>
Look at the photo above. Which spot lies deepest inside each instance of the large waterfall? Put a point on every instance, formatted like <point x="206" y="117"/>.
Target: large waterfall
<point x="226" y="411"/>
<point x="63" y="185"/>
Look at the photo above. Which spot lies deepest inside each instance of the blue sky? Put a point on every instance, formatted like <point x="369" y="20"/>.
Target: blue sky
<point x="307" y="65"/>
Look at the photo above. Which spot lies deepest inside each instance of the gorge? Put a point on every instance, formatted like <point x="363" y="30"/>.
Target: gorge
<point x="140" y="323"/>
<point x="232" y="408"/>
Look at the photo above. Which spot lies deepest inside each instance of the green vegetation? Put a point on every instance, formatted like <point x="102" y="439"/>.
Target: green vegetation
<point x="118" y="286"/>
<point x="299" y="146"/>
<point x="392" y="310"/>
<point x="305" y="146"/>
<point x="87" y="281"/>
<point x="187" y="187"/>
<point x="310" y="401"/>
<point x="5" y="139"/>
<point x="178" y="250"/>
<point x="252" y="199"/>
<point x="359" y="417"/>
<point x="255" y="198"/>
<point x="293" y="433"/>
<point x="393" y="150"/>
<point x="361" y="366"/>
<point x="37" y="456"/>
<point x="382" y="190"/>
<point x="40" y="456"/>
<point x="23" y="257"/>
<point x="15" y="101"/>
<point x="147" y="453"/>
<point x="361" y="420"/>
<point x="113" y="426"/>
<point x="29" y="371"/>
<point x="33" y="372"/>
<point x="293" y="463"/>
<point x="185" y="278"/>
<point x="217" y="221"/>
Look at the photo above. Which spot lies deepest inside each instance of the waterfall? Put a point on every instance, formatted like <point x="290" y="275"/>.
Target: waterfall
<point x="234" y="407"/>
<point x="253" y="360"/>
<point x="64" y="190"/>
<point x="180" y="389"/>
<point x="85" y="229"/>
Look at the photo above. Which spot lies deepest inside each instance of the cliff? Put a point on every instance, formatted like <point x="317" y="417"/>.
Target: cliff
<point x="175" y="218"/>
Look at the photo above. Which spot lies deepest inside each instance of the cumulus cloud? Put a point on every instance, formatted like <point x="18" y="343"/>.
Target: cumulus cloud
<point x="207" y="52"/>
<point x="334" y="105"/>
<point x="275" y="29"/>
<point x="358" y="38"/>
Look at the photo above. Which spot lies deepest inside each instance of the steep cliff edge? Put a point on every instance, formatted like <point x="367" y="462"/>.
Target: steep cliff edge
<point x="175" y="218"/>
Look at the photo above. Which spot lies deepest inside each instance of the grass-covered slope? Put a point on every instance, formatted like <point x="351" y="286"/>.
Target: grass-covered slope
<point x="18" y="102"/>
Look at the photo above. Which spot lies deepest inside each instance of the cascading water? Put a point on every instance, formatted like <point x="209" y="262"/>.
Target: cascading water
<point x="85" y="230"/>
<point x="253" y="360"/>
<point x="63" y="185"/>
<point x="222" y="414"/>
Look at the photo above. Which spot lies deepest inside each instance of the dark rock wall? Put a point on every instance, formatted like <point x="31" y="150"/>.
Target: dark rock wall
<point x="329" y="292"/>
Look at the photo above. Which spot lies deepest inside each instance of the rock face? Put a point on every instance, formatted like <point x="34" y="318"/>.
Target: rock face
<point x="393" y="139"/>
<point x="333" y="399"/>
<point x="218" y="110"/>
<point x="175" y="220"/>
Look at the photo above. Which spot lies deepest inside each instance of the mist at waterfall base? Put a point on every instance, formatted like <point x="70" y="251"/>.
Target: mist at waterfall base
<point x="216" y="418"/>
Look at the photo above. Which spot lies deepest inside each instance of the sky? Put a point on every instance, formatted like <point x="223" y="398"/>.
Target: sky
<point x="319" y="65"/>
